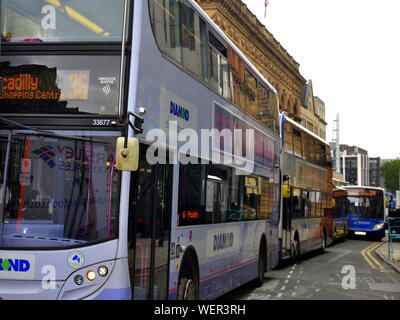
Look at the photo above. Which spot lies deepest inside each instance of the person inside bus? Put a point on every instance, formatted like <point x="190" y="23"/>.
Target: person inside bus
<point x="234" y="213"/>
<point x="249" y="213"/>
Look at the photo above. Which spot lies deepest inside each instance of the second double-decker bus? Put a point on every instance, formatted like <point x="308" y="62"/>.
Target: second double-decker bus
<point x="184" y="205"/>
<point x="306" y="191"/>
<point x="365" y="209"/>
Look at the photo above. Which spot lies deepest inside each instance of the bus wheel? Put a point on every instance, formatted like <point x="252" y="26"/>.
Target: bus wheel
<point x="296" y="251"/>
<point x="187" y="289"/>
<point x="258" y="282"/>
<point x="188" y="280"/>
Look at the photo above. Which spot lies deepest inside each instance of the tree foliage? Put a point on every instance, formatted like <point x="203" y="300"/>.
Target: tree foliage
<point x="390" y="171"/>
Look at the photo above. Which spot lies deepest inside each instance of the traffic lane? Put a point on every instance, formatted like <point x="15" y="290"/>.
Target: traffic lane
<point x="342" y="272"/>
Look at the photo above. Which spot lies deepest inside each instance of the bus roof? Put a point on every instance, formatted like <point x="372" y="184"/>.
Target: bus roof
<point x="300" y="127"/>
<point x="363" y="187"/>
<point x="221" y="34"/>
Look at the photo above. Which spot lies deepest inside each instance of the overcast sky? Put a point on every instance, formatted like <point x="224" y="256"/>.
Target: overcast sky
<point x="350" y="49"/>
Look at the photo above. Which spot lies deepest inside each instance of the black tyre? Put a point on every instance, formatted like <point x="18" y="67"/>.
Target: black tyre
<point x="258" y="282"/>
<point x="296" y="251"/>
<point x="188" y="288"/>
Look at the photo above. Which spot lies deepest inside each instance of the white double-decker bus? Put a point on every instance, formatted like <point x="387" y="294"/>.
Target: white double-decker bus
<point x="307" y="213"/>
<point x="185" y="207"/>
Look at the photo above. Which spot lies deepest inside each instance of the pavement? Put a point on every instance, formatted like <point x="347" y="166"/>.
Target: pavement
<point x="383" y="253"/>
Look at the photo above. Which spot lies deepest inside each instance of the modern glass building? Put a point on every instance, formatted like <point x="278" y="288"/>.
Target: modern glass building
<point x="354" y="165"/>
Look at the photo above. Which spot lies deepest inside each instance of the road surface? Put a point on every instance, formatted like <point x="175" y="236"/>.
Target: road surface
<point x="348" y="270"/>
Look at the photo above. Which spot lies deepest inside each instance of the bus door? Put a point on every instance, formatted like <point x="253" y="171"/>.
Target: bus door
<point x="286" y="222"/>
<point x="216" y="204"/>
<point x="149" y="229"/>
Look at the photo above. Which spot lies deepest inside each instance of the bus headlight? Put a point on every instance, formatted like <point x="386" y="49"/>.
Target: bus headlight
<point x="91" y="275"/>
<point x="87" y="281"/>
<point x="78" y="280"/>
<point x="378" y="226"/>
<point x="102" y="271"/>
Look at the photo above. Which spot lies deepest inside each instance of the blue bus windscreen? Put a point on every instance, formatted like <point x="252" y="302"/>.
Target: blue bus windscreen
<point x="366" y="204"/>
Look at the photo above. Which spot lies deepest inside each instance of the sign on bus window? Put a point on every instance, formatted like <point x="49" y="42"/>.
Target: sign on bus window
<point x="59" y="84"/>
<point x="61" y="20"/>
<point x="361" y="192"/>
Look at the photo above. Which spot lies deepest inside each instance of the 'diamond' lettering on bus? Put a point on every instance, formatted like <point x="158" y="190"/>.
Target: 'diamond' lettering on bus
<point x="16" y="265"/>
<point x="223" y="241"/>
<point x="179" y="111"/>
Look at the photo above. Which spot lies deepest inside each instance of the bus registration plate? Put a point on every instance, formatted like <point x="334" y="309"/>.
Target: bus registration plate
<point x="360" y="233"/>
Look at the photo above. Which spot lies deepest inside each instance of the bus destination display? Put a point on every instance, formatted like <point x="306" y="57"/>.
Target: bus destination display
<point x="59" y="84"/>
<point x="27" y="86"/>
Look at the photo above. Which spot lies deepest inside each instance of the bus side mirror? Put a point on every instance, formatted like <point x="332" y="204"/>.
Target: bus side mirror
<point x="127" y="159"/>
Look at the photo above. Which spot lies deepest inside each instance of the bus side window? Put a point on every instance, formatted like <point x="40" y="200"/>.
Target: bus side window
<point x="325" y="203"/>
<point x="217" y="193"/>
<point x="166" y="26"/>
<point x="296" y="207"/>
<point x="297" y="143"/>
<point x="318" y="203"/>
<point x="182" y="35"/>
<point x="235" y="197"/>
<point x="304" y="204"/>
<point x="190" y="39"/>
<point x="211" y="193"/>
<point x="219" y="76"/>
<point x="251" y="201"/>
<point x="312" y="204"/>
<point x="192" y="195"/>
<point x="266" y="198"/>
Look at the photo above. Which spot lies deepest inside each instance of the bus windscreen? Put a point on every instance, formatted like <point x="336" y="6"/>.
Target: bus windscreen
<point x="366" y="204"/>
<point x="58" y="192"/>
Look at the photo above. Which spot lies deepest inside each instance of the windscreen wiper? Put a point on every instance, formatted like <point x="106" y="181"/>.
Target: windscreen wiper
<point x="44" y="133"/>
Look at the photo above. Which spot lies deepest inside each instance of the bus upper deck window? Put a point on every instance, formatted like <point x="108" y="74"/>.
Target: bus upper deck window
<point x="62" y="21"/>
